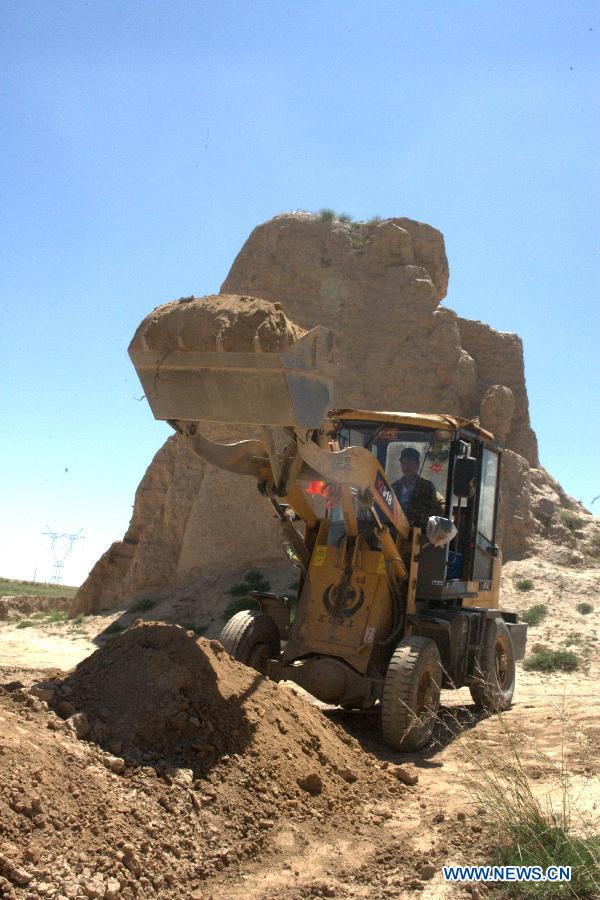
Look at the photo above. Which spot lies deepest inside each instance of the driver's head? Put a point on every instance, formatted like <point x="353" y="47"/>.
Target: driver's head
<point x="410" y="461"/>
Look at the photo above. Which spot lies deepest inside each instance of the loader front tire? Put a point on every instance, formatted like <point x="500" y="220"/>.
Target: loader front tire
<point x="411" y="694"/>
<point x="494" y="683"/>
<point x="252" y="637"/>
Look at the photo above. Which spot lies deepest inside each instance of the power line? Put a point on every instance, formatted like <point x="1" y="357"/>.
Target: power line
<point x="59" y="558"/>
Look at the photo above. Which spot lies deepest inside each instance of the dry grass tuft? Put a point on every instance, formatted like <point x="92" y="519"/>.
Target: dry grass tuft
<point x="525" y="829"/>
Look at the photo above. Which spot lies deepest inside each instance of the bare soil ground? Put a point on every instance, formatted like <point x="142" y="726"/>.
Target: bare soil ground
<point x="85" y="817"/>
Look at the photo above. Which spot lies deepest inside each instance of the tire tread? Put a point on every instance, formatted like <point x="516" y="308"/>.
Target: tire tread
<point x="484" y="693"/>
<point x="247" y="628"/>
<point x="396" y="717"/>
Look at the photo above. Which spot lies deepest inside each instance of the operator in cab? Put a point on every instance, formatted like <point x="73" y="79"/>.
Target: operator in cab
<point x="417" y="496"/>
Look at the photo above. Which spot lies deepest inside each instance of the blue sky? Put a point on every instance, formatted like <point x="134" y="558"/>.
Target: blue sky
<point x="142" y="141"/>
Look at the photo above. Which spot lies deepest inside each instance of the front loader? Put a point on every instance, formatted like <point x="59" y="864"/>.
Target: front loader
<point x="391" y="607"/>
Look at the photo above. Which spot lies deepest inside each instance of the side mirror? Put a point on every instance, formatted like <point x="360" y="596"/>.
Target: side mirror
<point x="440" y="531"/>
<point x="465" y="475"/>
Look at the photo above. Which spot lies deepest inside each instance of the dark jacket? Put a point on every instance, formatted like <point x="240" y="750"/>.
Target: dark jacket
<point x="424" y="502"/>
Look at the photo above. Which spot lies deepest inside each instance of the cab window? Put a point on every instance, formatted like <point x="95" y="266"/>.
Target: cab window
<point x="487" y="494"/>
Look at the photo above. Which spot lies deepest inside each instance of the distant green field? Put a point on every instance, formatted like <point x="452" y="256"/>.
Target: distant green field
<point x="8" y="587"/>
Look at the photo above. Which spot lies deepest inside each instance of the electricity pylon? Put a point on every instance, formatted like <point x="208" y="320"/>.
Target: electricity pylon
<point x="59" y="559"/>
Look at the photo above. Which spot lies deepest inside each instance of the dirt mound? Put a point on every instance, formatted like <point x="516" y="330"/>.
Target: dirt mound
<point x="159" y="695"/>
<point x="154" y="694"/>
<point x="216" y="765"/>
<point x="196" y="323"/>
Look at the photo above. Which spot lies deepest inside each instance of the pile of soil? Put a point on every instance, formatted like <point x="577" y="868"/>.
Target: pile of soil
<point x="159" y="695"/>
<point x="195" y="323"/>
<point x="161" y="763"/>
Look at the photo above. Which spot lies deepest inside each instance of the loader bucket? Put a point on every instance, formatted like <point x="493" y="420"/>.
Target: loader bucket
<point x="294" y="388"/>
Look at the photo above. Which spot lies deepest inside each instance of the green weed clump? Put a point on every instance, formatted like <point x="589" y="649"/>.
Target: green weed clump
<point x="330" y="215"/>
<point x="142" y="605"/>
<point x="535" y="614"/>
<point x="114" y="627"/>
<point x="526" y="829"/>
<point x="253" y="581"/>
<point x="53" y="617"/>
<point x="543" y="659"/>
<point x="538" y="844"/>
<point x="575" y="638"/>
<point x="56" y="617"/>
<point x="570" y="519"/>
<point x="239" y="605"/>
<point x="524" y="584"/>
<point x="584" y="608"/>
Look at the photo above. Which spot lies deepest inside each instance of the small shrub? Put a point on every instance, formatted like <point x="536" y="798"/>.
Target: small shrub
<point x="344" y="217"/>
<point x="574" y="638"/>
<point x="535" y="614"/>
<point x="524" y="584"/>
<point x="584" y="608"/>
<point x="142" y="605"/>
<point x="257" y="581"/>
<point x="114" y="627"/>
<point x="238" y="605"/>
<point x="374" y="220"/>
<point x="78" y="620"/>
<point x="253" y="581"/>
<point x="26" y="623"/>
<point x="56" y="617"/>
<point x="328" y="215"/>
<point x="239" y="590"/>
<point x="570" y="519"/>
<point x="546" y="660"/>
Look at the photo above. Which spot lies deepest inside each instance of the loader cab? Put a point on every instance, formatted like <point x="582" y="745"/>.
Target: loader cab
<point x="387" y="442"/>
<point x="465" y="568"/>
<point x="463" y="465"/>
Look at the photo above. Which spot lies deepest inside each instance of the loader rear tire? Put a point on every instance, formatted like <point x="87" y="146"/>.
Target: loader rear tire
<point x="411" y="694"/>
<point x="252" y="637"/>
<point x="494" y="685"/>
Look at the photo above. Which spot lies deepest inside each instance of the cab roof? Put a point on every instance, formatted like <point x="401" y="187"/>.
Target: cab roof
<point x="425" y="420"/>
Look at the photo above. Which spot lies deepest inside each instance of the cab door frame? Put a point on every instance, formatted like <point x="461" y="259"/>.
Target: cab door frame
<point x="485" y="548"/>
